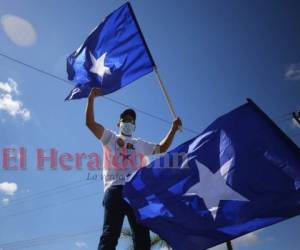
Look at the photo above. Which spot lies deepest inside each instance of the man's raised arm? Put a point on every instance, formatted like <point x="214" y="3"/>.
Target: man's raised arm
<point x="96" y="128"/>
<point x="167" y="141"/>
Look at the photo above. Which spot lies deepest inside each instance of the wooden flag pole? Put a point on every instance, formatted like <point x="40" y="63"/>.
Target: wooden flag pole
<point x="154" y="67"/>
<point x="162" y="86"/>
<point x="229" y="245"/>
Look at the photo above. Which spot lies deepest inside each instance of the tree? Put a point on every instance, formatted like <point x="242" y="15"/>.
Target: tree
<point x="156" y="241"/>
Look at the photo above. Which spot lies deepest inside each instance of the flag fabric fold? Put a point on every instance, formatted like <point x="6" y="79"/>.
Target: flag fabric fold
<point x="241" y="174"/>
<point x="114" y="55"/>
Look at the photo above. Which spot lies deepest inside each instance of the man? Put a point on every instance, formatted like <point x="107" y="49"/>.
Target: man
<point x="123" y="154"/>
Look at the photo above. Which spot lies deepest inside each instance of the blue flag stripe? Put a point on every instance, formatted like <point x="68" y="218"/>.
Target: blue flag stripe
<point x="141" y="33"/>
<point x="273" y="124"/>
<point x="225" y="186"/>
<point x="114" y="55"/>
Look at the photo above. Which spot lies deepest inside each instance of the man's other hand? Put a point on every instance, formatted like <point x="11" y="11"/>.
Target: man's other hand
<point x="176" y="124"/>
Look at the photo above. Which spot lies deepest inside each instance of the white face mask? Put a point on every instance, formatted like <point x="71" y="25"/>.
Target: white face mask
<point x="127" y="128"/>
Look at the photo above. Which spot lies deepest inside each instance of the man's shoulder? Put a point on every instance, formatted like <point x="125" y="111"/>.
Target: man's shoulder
<point x="111" y="131"/>
<point x="108" y="136"/>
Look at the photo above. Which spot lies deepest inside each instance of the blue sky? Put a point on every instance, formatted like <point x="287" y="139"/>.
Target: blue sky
<point x="212" y="55"/>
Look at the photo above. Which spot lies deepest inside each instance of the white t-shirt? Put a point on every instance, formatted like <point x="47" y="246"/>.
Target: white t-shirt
<point x="122" y="156"/>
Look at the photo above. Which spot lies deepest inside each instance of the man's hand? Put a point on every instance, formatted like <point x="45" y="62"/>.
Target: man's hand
<point x="166" y="142"/>
<point x="95" y="92"/>
<point x="176" y="124"/>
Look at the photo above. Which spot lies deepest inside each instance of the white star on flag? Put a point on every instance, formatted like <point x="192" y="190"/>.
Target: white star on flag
<point x="212" y="188"/>
<point x="98" y="65"/>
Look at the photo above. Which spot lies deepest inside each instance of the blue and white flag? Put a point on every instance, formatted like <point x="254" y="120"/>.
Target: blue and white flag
<point x="241" y="174"/>
<point x="114" y="55"/>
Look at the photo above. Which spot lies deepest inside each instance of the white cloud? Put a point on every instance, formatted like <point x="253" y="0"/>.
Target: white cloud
<point x="9" y="87"/>
<point x="13" y="107"/>
<point x="8" y="188"/>
<point x="81" y="244"/>
<point x="5" y="201"/>
<point x="8" y="102"/>
<point x="19" y="30"/>
<point x="293" y="72"/>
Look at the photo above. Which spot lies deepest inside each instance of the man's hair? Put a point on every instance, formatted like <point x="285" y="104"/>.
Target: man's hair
<point x="129" y="112"/>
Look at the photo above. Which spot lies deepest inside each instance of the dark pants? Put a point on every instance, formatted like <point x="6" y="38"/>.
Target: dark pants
<point x="115" y="209"/>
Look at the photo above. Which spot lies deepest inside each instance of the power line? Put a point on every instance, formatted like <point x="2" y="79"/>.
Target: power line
<point x="281" y="118"/>
<point x="47" y="190"/>
<point x="46" y="193"/>
<point x="48" y="206"/>
<point x="105" y="97"/>
<point x="45" y="240"/>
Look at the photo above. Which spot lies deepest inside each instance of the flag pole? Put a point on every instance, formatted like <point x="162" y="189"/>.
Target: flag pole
<point x="165" y="93"/>
<point x="229" y="245"/>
